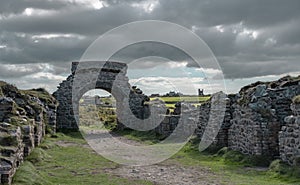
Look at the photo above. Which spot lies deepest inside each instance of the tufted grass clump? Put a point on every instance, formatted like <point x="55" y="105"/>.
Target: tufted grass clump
<point x="28" y="174"/>
<point x="38" y="155"/>
<point x="280" y="169"/>
<point x="236" y="157"/>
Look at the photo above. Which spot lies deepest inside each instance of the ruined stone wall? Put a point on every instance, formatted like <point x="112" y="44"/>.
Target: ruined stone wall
<point x="251" y="124"/>
<point x="206" y="115"/>
<point x="259" y="115"/>
<point x="168" y="125"/>
<point x="24" y="118"/>
<point x="85" y="76"/>
<point x="199" y="116"/>
<point x="289" y="137"/>
<point x="184" y="113"/>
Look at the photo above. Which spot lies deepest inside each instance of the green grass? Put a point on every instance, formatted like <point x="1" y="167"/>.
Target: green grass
<point x="29" y="175"/>
<point x="67" y="165"/>
<point x="171" y="101"/>
<point x="108" y="100"/>
<point x="141" y="136"/>
<point x="231" y="166"/>
<point x="170" y="105"/>
<point x="77" y="164"/>
<point x="184" y="98"/>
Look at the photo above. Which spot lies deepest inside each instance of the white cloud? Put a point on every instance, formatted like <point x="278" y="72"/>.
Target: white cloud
<point x="173" y="64"/>
<point x="28" y="76"/>
<point x="47" y="76"/>
<point x="52" y="36"/>
<point x="220" y="28"/>
<point x="37" y="12"/>
<point x="184" y="85"/>
<point x="147" y="6"/>
<point x="209" y="72"/>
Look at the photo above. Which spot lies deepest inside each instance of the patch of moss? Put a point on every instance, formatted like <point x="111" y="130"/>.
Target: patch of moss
<point x="236" y="157"/>
<point x="1" y="93"/>
<point x="296" y="99"/>
<point x="17" y="121"/>
<point x="42" y="94"/>
<point x="2" y="83"/>
<point x="5" y="87"/>
<point x="280" y="168"/>
<point x="296" y="78"/>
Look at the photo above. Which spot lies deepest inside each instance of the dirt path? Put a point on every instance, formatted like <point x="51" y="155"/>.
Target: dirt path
<point x="165" y="173"/>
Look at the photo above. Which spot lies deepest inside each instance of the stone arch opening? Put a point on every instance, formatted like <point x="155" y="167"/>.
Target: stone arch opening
<point x="110" y="77"/>
<point x="97" y="108"/>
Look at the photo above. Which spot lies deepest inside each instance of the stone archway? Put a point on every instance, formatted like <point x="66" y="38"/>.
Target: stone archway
<point x="111" y="75"/>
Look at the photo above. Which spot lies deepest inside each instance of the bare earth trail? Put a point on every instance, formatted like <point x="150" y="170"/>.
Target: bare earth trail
<point x="165" y="173"/>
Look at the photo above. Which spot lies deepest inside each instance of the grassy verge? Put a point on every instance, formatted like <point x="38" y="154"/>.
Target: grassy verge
<point x="236" y="168"/>
<point x="66" y="159"/>
<point x="140" y="136"/>
<point x="68" y="164"/>
<point x="233" y="167"/>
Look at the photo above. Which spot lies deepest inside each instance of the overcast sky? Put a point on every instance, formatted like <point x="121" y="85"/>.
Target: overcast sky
<point x="252" y="39"/>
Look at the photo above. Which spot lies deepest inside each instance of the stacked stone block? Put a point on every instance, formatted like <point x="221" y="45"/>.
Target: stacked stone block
<point x="111" y="77"/>
<point x="289" y="137"/>
<point x="259" y="115"/>
<point x="22" y="126"/>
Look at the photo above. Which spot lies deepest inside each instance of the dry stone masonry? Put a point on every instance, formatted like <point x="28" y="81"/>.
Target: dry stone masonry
<point x="289" y="136"/>
<point x="257" y="120"/>
<point x="259" y="114"/>
<point x="254" y="123"/>
<point x="260" y="120"/>
<point x="25" y="116"/>
<point x="85" y="76"/>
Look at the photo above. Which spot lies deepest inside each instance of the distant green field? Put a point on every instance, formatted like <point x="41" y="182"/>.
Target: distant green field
<point x="168" y="99"/>
<point x="184" y="98"/>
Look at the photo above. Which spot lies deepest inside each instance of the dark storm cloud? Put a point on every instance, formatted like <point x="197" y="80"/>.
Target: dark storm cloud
<point x="27" y="49"/>
<point x="80" y="20"/>
<point x="144" y="49"/>
<point x="255" y="13"/>
<point x="253" y="37"/>
<point x="116" y="2"/>
<point x="234" y="68"/>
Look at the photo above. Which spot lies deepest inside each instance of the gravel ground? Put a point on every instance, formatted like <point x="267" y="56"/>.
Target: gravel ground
<point x="163" y="173"/>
